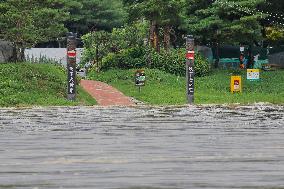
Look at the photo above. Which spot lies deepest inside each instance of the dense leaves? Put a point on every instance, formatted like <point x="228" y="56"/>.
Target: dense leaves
<point x="94" y="15"/>
<point x="28" y="22"/>
<point x="98" y="44"/>
<point x="228" y="21"/>
<point x="164" y="16"/>
<point x="139" y="57"/>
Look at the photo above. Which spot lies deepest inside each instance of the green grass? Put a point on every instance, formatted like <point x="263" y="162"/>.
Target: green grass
<point x="167" y="89"/>
<point x="25" y="84"/>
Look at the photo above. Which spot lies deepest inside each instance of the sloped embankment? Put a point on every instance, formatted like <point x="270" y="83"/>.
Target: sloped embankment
<point x="25" y="84"/>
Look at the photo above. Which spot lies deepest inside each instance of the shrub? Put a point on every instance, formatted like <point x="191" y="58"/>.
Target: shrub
<point x="125" y="59"/>
<point x="141" y="57"/>
<point x="201" y="65"/>
<point x="99" y="44"/>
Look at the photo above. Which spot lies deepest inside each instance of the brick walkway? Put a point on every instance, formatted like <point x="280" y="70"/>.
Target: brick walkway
<point x="106" y="95"/>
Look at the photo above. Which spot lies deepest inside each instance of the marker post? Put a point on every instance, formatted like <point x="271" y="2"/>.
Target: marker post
<point x="71" y="66"/>
<point x="190" y="69"/>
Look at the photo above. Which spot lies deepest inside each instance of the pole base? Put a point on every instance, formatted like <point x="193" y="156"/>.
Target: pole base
<point x="190" y="99"/>
<point x="71" y="97"/>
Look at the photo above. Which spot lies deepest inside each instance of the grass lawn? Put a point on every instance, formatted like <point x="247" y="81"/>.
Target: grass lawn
<point x="24" y="84"/>
<point x="167" y="89"/>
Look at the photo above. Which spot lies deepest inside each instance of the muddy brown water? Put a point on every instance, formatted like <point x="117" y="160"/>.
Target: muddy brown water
<point x="142" y="148"/>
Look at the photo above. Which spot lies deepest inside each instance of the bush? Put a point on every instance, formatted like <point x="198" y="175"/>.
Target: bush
<point x="99" y="44"/>
<point x="201" y="65"/>
<point x="125" y="59"/>
<point x="141" y="57"/>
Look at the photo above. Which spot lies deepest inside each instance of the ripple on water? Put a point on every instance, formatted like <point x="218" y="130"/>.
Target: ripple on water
<point x="142" y="147"/>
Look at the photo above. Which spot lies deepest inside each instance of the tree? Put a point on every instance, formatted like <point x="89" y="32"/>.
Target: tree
<point x="28" y="22"/>
<point x="229" y="21"/>
<point x="274" y="23"/>
<point x="89" y="15"/>
<point x="162" y="15"/>
<point x="235" y="21"/>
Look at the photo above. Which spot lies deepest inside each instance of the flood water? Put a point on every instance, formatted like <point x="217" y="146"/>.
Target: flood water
<point x="142" y="148"/>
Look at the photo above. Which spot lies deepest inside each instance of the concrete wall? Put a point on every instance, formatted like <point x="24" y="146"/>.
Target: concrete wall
<point x="55" y="54"/>
<point x="277" y="58"/>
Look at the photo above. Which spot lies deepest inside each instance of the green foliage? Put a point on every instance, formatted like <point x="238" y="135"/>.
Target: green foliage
<point x="91" y="15"/>
<point x="162" y="11"/>
<point x="98" y="44"/>
<point x="164" y="18"/>
<point x="140" y="57"/>
<point x="225" y="21"/>
<point x="202" y="66"/>
<point x="27" y="84"/>
<point x="28" y="22"/>
<point x="275" y="35"/>
<point x="125" y="59"/>
<point x="131" y="35"/>
<point x="167" y="89"/>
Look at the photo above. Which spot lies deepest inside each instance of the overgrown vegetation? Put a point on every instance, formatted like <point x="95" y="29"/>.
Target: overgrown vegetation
<point x="25" y="84"/>
<point x="140" y="57"/>
<point x="125" y="48"/>
<point x="167" y="89"/>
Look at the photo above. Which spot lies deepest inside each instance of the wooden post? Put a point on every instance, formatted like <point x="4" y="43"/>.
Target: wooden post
<point x="71" y="66"/>
<point x="190" y="69"/>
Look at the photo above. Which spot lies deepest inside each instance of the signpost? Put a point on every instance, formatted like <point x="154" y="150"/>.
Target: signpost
<point x="71" y="66"/>
<point x="253" y="74"/>
<point x="140" y="78"/>
<point x="190" y="69"/>
<point x="236" y="84"/>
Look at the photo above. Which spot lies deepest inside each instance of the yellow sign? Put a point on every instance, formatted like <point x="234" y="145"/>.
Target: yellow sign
<point x="253" y="74"/>
<point x="236" y="84"/>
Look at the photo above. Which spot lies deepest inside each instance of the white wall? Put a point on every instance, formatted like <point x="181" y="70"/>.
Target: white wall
<point x="55" y="54"/>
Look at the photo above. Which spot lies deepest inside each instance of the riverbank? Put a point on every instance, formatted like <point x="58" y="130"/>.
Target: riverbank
<point x="166" y="89"/>
<point x="25" y="84"/>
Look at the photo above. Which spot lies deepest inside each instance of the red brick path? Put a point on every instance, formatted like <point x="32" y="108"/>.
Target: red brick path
<point x="106" y="95"/>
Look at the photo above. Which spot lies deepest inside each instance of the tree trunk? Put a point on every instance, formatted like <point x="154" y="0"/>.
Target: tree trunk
<point x="18" y="53"/>
<point x="14" y="55"/>
<point x="97" y="58"/>
<point x="217" y="54"/>
<point x="167" y="37"/>
<point x="154" y="37"/>
<point x="22" y="54"/>
<point x="152" y="30"/>
<point x="250" y="57"/>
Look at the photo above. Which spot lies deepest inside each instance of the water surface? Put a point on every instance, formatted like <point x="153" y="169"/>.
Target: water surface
<point x="144" y="147"/>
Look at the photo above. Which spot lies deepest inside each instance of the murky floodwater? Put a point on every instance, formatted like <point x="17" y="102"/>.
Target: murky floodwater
<point x="135" y="148"/>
